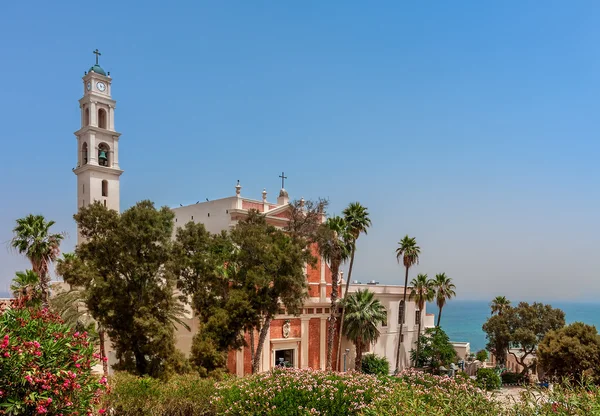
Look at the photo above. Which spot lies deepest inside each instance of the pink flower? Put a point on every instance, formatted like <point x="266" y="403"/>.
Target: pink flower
<point x="102" y="411"/>
<point x="7" y="354"/>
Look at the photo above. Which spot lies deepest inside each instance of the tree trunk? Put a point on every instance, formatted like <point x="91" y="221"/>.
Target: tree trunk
<point x="251" y="344"/>
<point x="103" y="352"/>
<point x="358" y="359"/>
<point x="261" y="340"/>
<point x="339" y="351"/>
<point x="401" y="324"/>
<point x="140" y="362"/>
<point x="439" y="317"/>
<point x="418" y="343"/>
<point x="335" y="267"/>
<point x="44" y="286"/>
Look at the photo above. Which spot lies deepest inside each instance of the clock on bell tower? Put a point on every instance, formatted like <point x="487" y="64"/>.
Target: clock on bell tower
<point x="97" y="168"/>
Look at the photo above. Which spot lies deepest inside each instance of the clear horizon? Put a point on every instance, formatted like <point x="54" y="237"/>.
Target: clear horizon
<point x="469" y="126"/>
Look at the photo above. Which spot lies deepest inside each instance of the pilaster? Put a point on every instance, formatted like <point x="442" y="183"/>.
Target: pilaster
<point x="322" y="343"/>
<point x="304" y="329"/>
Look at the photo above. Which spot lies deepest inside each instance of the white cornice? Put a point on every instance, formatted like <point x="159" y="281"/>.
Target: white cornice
<point x="97" y="168"/>
<point x="95" y="129"/>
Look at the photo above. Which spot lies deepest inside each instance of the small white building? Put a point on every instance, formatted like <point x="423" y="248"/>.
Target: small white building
<point x="391" y="297"/>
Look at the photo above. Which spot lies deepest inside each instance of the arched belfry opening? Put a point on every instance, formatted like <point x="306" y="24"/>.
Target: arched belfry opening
<point x="86" y="117"/>
<point x="102" y="118"/>
<point x="104" y="189"/>
<point x="84" y="153"/>
<point x="103" y="155"/>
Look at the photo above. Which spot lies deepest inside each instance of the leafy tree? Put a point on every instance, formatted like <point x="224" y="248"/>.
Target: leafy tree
<point x="409" y="252"/>
<point x="32" y="238"/>
<point x="422" y="291"/>
<point x="436" y="349"/>
<point x="373" y="364"/>
<point x="270" y="269"/>
<point x="358" y="221"/>
<point x="365" y="313"/>
<point x="128" y="289"/>
<point x="332" y="239"/>
<point x="444" y="290"/>
<point x="499" y="305"/>
<point x="26" y="286"/>
<point x="572" y="351"/>
<point x="522" y="327"/>
<point x="482" y="355"/>
<point x="488" y="379"/>
<point x="498" y="336"/>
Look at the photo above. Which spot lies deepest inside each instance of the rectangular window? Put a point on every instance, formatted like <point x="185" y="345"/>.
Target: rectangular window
<point x="401" y="317"/>
<point x="384" y="323"/>
<point x="319" y="310"/>
<point x="310" y="311"/>
<point x="326" y="310"/>
<point x="417" y="317"/>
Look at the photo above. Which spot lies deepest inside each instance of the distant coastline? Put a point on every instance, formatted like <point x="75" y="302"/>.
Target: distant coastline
<point x="462" y="319"/>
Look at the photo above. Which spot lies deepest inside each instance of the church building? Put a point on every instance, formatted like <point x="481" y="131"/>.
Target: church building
<point x="298" y="341"/>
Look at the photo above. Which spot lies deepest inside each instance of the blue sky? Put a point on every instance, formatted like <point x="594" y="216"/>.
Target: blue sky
<point x="470" y="125"/>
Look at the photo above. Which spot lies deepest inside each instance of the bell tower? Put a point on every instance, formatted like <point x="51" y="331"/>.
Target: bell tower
<point x="97" y="168"/>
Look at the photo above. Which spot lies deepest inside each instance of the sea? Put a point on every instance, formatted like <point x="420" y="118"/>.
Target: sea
<point x="462" y="319"/>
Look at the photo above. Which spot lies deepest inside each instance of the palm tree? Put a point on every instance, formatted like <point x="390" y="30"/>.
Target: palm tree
<point x="25" y="286"/>
<point x="357" y="218"/>
<point x="34" y="240"/>
<point x="422" y="291"/>
<point x="499" y="305"/>
<point x="408" y="251"/>
<point x="444" y="290"/>
<point x="365" y="313"/>
<point x="332" y="240"/>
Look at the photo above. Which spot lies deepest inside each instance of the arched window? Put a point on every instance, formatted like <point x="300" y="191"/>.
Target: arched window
<point x="102" y="118"/>
<point x="105" y="188"/>
<point x="86" y="117"/>
<point x="84" y="153"/>
<point x="103" y="155"/>
<point x="401" y="317"/>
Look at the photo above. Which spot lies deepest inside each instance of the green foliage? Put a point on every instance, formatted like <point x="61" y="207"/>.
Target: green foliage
<point x="499" y="305"/>
<point x="444" y="291"/>
<point x="512" y="378"/>
<point x="572" y="351"/>
<point x="373" y="364"/>
<point x="27" y="287"/>
<point x="436" y="350"/>
<point x="363" y="315"/>
<point x="298" y="392"/>
<point x="128" y="290"/>
<point x="482" y="355"/>
<point x="420" y="394"/>
<point x="422" y="291"/>
<point x="523" y="327"/>
<point x="45" y="366"/>
<point x="33" y="239"/>
<point x="487" y="379"/>
<point x="181" y="395"/>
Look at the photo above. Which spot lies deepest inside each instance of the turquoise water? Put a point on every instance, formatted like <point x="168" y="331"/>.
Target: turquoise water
<point x="462" y="319"/>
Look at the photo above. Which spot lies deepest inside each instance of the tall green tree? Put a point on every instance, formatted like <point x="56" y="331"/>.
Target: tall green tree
<point x="498" y="337"/>
<point x="364" y="315"/>
<point x="422" y="292"/>
<point x="444" y="291"/>
<point x="358" y="222"/>
<point x="499" y="305"/>
<point x="33" y="238"/>
<point x="408" y="251"/>
<point x="129" y="289"/>
<point x="270" y="266"/>
<point x="333" y="237"/>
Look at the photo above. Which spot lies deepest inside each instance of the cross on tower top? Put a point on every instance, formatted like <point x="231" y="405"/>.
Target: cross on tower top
<point x="97" y="53"/>
<point x="283" y="178"/>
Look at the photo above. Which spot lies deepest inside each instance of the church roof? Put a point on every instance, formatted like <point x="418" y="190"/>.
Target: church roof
<point x="98" y="70"/>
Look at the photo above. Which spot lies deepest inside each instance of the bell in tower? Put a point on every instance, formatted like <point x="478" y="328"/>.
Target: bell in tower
<point x="103" y="155"/>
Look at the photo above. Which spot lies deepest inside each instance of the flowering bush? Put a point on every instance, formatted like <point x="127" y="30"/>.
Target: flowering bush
<point x="299" y="392"/>
<point x="45" y="367"/>
<point x="420" y="394"/>
<point x="566" y="399"/>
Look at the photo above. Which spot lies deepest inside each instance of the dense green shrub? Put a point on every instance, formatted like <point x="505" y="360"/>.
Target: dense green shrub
<point x="181" y="395"/>
<point x="373" y="364"/>
<point x="563" y="400"/>
<point x="45" y="367"/>
<point x="487" y="379"/>
<point x="299" y="392"/>
<point x="482" y="355"/>
<point x="512" y="378"/>
<point x="421" y="394"/>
